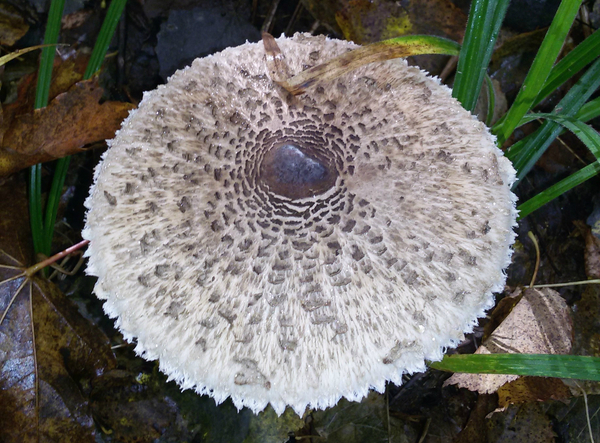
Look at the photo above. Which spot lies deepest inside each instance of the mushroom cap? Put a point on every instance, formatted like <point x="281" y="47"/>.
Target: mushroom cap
<point x="292" y="251"/>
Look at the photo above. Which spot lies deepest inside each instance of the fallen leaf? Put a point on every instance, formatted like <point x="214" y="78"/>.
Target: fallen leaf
<point x="12" y="25"/>
<point x="538" y="324"/>
<point x="592" y="251"/>
<point x="71" y="121"/>
<point x="48" y="352"/>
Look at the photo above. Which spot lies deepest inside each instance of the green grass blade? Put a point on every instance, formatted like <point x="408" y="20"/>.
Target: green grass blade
<point x="526" y="152"/>
<point x="375" y="52"/>
<point x="539" y="365"/>
<point x="491" y="99"/>
<point x="584" y="132"/>
<point x="58" y="181"/>
<point x="571" y="64"/>
<point x="113" y="15"/>
<point x="589" y="111"/>
<point x="540" y="69"/>
<point x="558" y="189"/>
<point x="41" y="100"/>
<point x="483" y="26"/>
<point x="44" y="240"/>
<point x="35" y="207"/>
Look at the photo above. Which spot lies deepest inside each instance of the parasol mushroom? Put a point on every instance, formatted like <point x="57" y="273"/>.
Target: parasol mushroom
<point x="294" y="250"/>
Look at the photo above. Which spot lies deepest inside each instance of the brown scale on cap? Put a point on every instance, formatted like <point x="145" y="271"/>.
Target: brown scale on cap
<point x="293" y="250"/>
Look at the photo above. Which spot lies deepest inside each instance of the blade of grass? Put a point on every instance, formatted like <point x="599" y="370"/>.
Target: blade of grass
<point x="35" y="207"/>
<point x="19" y="52"/>
<point x="483" y="26"/>
<point x="491" y="99"/>
<point x="570" y="65"/>
<point x="113" y="15"/>
<point x="539" y="365"/>
<point x="540" y="69"/>
<point x="107" y="31"/>
<point x="589" y="111"/>
<point x="41" y="100"/>
<point x="526" y="152"/>
<point x="584" y="132"/>
<point x="558" y="189"/>
<point x="375" y="52"/>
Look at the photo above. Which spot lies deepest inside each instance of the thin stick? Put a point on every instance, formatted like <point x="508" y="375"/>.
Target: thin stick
<point x="572" y="283"/>
<point x="41" y="265"/>
<point x="537" y="257"/>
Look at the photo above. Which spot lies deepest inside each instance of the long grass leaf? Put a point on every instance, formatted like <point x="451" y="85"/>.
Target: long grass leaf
<point x="584" y="132"/>
<point x="540" y="69"/>
<point x="58" y="181"/>
<point x="35" y="207"/>
<point x="107" y="31"/>
<point x="375" y="52"/>
<point x="558" y="189"/>
<point x="483" y="26"/>
<point x="571" y="64"/>
<point x="526" y="152"/>
<point x="589" y="111"/>
<point x="491" y="99"/>
<point x="41" y="100"/>
<point x="540" y="365"/>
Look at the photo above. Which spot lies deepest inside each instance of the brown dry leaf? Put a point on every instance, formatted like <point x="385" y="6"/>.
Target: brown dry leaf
<point x="12" y="25"/>
<point x="49" y="354"/>
<point x="70" y="121"/>
<point x="592" y="251"/>
<point x="539" y="324"/>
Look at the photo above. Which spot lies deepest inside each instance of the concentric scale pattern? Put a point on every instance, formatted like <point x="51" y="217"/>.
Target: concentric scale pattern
<point x="295" y="250"/>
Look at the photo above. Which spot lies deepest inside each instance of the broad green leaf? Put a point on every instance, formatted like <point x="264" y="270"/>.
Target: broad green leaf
<point x="483" y="27"/>
<point x="539" y="365"/>
<point x="540" y="69"/>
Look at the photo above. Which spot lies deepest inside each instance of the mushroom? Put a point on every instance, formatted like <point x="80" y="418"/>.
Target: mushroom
<point x="294" y="250"/>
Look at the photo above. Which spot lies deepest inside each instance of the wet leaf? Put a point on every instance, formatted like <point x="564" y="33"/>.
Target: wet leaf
<point x="49" y="354"/>
<point x="538" y="324"/>
<point x="70" y="121"/>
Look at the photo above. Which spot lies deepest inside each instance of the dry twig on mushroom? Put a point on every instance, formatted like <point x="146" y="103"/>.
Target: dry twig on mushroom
<point x="293" y="250"/>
